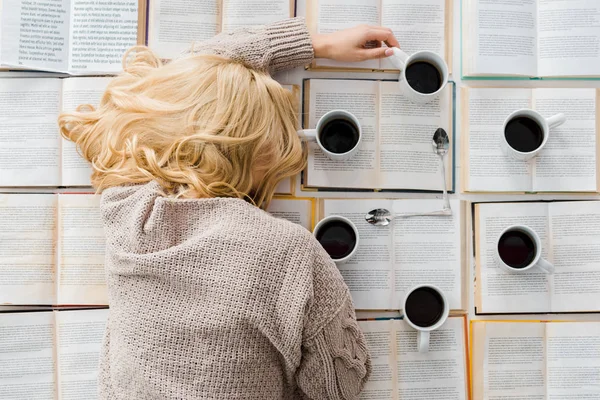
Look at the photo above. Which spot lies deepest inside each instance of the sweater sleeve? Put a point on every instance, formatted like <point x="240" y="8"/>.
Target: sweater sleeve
<point x="335" y="362"/>
<point x="335" y="359"/>
<point x="275" y="47"/>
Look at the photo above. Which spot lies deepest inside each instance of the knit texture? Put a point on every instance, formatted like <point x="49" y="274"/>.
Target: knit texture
<point x="216" y="299"/>
<point x="275" y="47"/>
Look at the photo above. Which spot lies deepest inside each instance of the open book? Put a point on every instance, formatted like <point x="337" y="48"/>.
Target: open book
<point x="401" y="372"/>
<point x="570" y="234"/>
<point x="568" y="163"/>
<point x="533" y="38"/>
<point x="298" y="211"/>
<point x="174" y="25"/>
<point x="535" y="360"/>
<point x="410" y="251"/>
<point x="395" y="152"/>
<point x="51" y="250"/>
<point x="33" y="153"/>
<point x="72" y="36"/>
<point x="51" y="355"/>
<point x="417" y="24"/>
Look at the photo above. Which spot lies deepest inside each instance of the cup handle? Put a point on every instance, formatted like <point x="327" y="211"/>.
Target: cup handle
<point x="310" y="135"/>
<point x="556" y="120"/>
<point x="399" y="58"/>
<point x="423" y="341"/>
<point x="545" y="266"/>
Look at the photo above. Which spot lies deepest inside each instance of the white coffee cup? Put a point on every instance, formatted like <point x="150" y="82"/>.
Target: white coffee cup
<point x="333" y="218"/>
<point x="423" y="332"/>
<point x="536" y="262"/>
<point x="545" y="125"/>
<point x="314" y="135"/>
<point x="401" y="61"/>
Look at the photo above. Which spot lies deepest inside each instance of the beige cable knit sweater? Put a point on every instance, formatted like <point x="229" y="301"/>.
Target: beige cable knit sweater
<point x="216" y="299"/>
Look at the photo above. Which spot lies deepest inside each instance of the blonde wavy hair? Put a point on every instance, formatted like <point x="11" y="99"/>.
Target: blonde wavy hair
<point x="201" y="126"/>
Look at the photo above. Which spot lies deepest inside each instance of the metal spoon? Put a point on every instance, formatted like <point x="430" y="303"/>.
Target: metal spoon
<point x="379" y="217"/>
<point x="383" y="217"/>
<point x="441" y="145"/>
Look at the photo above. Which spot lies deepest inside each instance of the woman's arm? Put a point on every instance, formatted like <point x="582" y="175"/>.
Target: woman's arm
<point x="335" y="359"/>
<point x="288" y="44"/>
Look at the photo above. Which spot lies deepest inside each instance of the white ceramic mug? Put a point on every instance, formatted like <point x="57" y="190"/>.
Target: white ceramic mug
<point x="401" y="61"/>
<point x="349" y="223"/>
<point x="313" y="135"/>
<point x="537" y="262"/>
<point x="423" y="333"/>
<point x="544" y="123"/>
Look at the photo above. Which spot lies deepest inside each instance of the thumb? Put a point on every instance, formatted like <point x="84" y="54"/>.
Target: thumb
<point x="378" y="52"/>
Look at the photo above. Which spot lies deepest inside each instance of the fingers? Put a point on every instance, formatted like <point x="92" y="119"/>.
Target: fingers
<point x="369" y="54"/>
<point x="381" y="34"/>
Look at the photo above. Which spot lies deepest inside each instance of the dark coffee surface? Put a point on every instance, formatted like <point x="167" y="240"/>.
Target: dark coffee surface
<point x="337" y="238"/>
<point x="523" y="134"/>
<point x="339" y="136"/>
<point x="424" y="307"/>
<point x="423" y="77"/>
<point x="516" y="249"/>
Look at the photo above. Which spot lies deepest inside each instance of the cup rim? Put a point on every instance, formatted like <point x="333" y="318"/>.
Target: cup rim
<point x="536" y="239"/>
<point x="441" y="61"/>
<point x="442" y="319"/>
<point x="538" y="117"/>
<point x="347" y="221"/>
<point x="354" y="119"/>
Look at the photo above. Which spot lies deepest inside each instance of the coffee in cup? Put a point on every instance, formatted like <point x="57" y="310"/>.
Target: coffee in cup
<point x="519" y="249"/>
<point x="526" y="133"/>
<point x="338" y="134"/>
<point x="423" y="75"/>
<point x="425" y="308"/>
<point x="338" y="236"/>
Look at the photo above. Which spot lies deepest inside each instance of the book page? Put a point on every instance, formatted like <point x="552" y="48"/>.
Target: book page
<point x="568" y="162"/>
<point x="81" y="255"/>
<point x="575" y="230"/>
<point x="360" y="98"/>
<point x="407" y="159"/>
<point x="101" y="32"/>
<point x="569" y="37"/>
<point x="284" y="187"/>
<point x="27" y="250"/>
<point x="29" y="139"/>
<point x="489" y="170"/>
<point x="35" y="34"/>
<point x="174" y="24"/>
<point x="368" y="274"/>
<point x="27" y="363"/>
<point x="514" y="361"/>
<point x="244" y="13"/>
<point x="335" y="15"/>
<point x="296" y="211"/>
<point x="77" y="91"/>
<point x="501" y="291"/>
<point x="380" y="336"/>
<point x="79" y="342"/>
<point x="417" y="24"/>
<point x="573" y="360"/>
<point x="505" y="37"/>
<point x="439" y="374"/>
<point x="427" y="250"/>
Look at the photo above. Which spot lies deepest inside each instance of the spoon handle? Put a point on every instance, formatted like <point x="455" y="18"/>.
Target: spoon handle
<point x="445" y="193"/>
<point x="423" y="214"/>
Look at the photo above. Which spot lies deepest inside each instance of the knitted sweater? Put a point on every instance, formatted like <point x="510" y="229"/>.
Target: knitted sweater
<point x="215" y="298"/>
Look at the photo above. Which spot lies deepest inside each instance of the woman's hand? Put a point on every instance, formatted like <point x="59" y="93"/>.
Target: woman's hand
<point x="360" y="43"/>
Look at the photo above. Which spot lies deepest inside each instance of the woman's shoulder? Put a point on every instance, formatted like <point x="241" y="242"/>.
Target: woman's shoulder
<point x="144" y="208"/>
